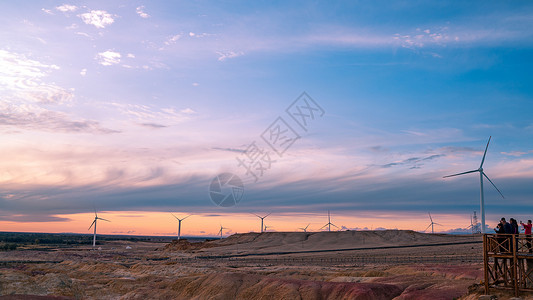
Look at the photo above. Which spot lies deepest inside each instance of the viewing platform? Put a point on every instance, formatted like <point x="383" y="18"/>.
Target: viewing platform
<point x="508" y="262"/>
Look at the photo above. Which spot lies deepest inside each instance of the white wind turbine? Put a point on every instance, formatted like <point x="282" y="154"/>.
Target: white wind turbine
<point x="475" y="222"/>
<point x="305" y="228"/>
<point x="329" y="223"/>
<point x="96" y="218"/>
<point x="262" y="219"/>
<point x="179" y="224"/>
<point x="481" y="196"/>
<point x="220" y="231"/>
<point x="471" y="227"/>
<point x="431" y="224"/>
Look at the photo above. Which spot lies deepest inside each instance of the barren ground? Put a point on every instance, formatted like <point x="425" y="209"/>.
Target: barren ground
<point x="325" y="265"/>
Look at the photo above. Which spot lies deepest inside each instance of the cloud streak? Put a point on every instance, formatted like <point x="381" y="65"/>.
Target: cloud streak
<point x="154" y="117"/>
<point x="29" y="117"/>
<point x="23" y="78"/>
<point x="413" y="162"/>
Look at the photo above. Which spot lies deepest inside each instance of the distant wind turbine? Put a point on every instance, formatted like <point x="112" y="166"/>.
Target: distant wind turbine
<point x="220" y="231"/>
<point x="471" y="227"/>
<point x="329" y="223"/>
<point x="96" y="218"/>
<point x="266" y="227"/>
<point x="179" y="224"/>
<point x="481" y="196"/>
<point x="473" y="223"/>
<point x="262" y="219"/>
<point x="305" y="228"/>
<point x="431" y="224"/>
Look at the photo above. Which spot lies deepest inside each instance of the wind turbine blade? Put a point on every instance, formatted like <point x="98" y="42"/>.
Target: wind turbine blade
<point x="256" y="215"/>
<point x="427" y="227"/>
<point x="430" y="217"/>
<point x="492" y="184"/>
<point x="334" y="225"/>
<point x="186" y="217"/>
<point x="323" y="226"/>
<point x="92" y="224"/>
<point x="437" y="224"/>
<point x="460" y="173"/>
<point x="484" y="154"/>
<point x="307" y="225"/>
<point x="267" y="215"/>
<point x="174" y="216"/>
<point x="103" y="219"/>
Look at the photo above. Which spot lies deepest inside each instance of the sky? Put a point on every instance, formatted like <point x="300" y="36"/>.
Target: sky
<point x="134" y="108"/>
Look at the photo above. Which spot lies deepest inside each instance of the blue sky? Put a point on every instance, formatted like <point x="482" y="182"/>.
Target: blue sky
<point x="137" y="106"/>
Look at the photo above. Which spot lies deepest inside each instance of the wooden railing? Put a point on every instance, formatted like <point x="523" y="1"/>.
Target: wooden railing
<point x="508" y="262"/>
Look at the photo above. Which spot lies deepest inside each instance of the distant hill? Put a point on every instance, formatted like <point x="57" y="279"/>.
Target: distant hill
<point x="315" y="241"/>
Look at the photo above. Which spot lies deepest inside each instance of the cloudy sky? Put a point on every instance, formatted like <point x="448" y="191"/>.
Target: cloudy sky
<point x="133" y="108"/>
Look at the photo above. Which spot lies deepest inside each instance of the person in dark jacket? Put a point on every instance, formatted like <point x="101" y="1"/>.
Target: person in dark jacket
<point x="507" y="229"/>
<point x="514" y="224"/>
<point x="506" y="226"/>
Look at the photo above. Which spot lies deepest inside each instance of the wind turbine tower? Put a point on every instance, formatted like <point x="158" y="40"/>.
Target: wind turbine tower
<point x="96" y="218"/>
<point x="179" y="224"/>
<point x="220" y="231"/>
<point x="262" y="219"/>
<point x="329" y="223"/>
<point x="431" y="224"/>
<point x="481" y="196"/>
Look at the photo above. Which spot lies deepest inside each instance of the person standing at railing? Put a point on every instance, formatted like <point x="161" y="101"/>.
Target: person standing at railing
<point x="514" y="226"/>
<point x="507" y="228"/>
<point x="501" y="241"/>
<point x="527" y="231"/>
<point x="515" y="231"/>
<point x="504" y="228"/>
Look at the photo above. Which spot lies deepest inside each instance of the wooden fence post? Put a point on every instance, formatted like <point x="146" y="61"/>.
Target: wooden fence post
<point x="486" y="264"/>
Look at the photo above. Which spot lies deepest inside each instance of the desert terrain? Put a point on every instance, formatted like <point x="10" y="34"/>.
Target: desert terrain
<point x="390" y="264"/>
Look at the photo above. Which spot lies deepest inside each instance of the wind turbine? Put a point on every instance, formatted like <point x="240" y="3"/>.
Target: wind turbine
<point x="267" y="227"/>
<point x="179" y="224"/>
<point x="262" y="218"/>
<point x="471" y="227"/>
<point x="431" y="224"/>
<point x="305" y="228"/>
<point x="473" y="224"/>
<point x="96" y="218"/>
<point x="476" y="224"/>
<point x="329" y="223"/>
<point x="220" y="231"/>
<point x="481" y="196"/>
